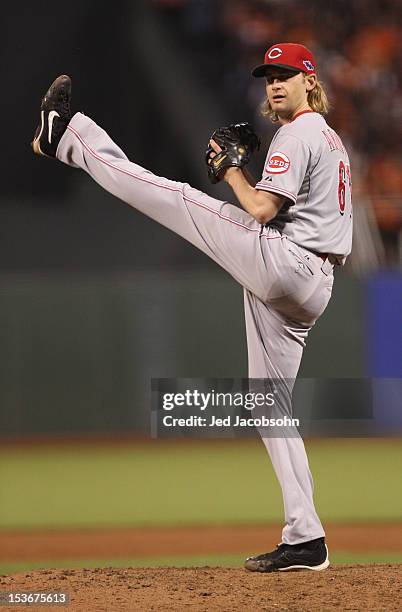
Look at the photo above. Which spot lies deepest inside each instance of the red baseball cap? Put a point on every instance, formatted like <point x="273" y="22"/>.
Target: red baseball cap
<point x="291" y="56"/>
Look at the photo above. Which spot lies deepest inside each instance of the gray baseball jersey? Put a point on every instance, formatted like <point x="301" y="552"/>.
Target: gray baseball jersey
<point x="308" y="164"/>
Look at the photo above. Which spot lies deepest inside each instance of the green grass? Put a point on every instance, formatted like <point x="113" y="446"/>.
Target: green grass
<point x="176" y="484"/>
<point x="191" y="561"/>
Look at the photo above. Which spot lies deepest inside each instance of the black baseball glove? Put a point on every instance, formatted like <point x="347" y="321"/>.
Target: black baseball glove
<point x="238" y="142"/>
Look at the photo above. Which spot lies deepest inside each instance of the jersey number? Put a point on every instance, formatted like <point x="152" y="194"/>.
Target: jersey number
<point x="344" y="179"/>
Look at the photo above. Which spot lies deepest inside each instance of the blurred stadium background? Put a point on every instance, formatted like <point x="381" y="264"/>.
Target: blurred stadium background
<point x="96" y="300"/>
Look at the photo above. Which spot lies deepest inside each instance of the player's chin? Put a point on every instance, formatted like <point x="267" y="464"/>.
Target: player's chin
<point x="279" y="105"/>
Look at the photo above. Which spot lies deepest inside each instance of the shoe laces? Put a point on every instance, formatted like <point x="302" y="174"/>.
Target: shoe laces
<point x="65" y="105"/>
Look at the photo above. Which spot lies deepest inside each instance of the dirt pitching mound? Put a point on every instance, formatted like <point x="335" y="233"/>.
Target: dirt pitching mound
<point x="347" y="587"/>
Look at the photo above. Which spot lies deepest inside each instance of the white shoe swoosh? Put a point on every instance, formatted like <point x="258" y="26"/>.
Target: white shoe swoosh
<point x="52" y="115"/>
<point x="36" y="141"/>
<point x="42" y="124"/>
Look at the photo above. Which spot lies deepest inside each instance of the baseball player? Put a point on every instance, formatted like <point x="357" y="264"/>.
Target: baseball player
<point x="294" y="226"/>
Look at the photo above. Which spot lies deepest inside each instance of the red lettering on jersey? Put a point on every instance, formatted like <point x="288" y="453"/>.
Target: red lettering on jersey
<point x="333" y="140"/>
<point x="329" y="141"/>
<point x="344" y="180"/>
<point x="339" y="143"/>
<point x="342" y="187"/>
<point x="278" y="163"/>
<point x="349" y="179"/>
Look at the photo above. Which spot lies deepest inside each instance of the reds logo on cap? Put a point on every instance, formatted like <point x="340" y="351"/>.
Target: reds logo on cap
<point x="275" y="52"/>
<point x="291" y="56"/>
<point x="278" y="163"/>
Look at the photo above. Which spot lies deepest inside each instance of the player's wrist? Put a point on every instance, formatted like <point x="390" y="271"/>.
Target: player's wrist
<point x="232" y="175"/>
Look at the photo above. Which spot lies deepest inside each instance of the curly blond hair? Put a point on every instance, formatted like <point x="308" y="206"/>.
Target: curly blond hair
<point x="317" y="100"/>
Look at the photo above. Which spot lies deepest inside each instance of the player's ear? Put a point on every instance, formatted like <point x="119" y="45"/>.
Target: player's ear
<point x="311" y="81"/>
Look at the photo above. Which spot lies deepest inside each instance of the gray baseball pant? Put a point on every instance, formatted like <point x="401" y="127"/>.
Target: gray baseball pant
<point x="286" y="287"/>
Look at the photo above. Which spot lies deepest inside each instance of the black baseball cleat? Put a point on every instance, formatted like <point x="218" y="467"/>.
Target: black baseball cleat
<point x="55" y="115"/>
<point x="312" y="555"/>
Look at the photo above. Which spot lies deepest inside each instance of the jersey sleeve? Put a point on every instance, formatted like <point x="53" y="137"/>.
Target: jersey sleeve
<point x="285" y="166"/>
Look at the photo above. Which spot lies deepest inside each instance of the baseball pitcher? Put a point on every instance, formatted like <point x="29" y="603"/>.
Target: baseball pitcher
<point x="295" y="225"/>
